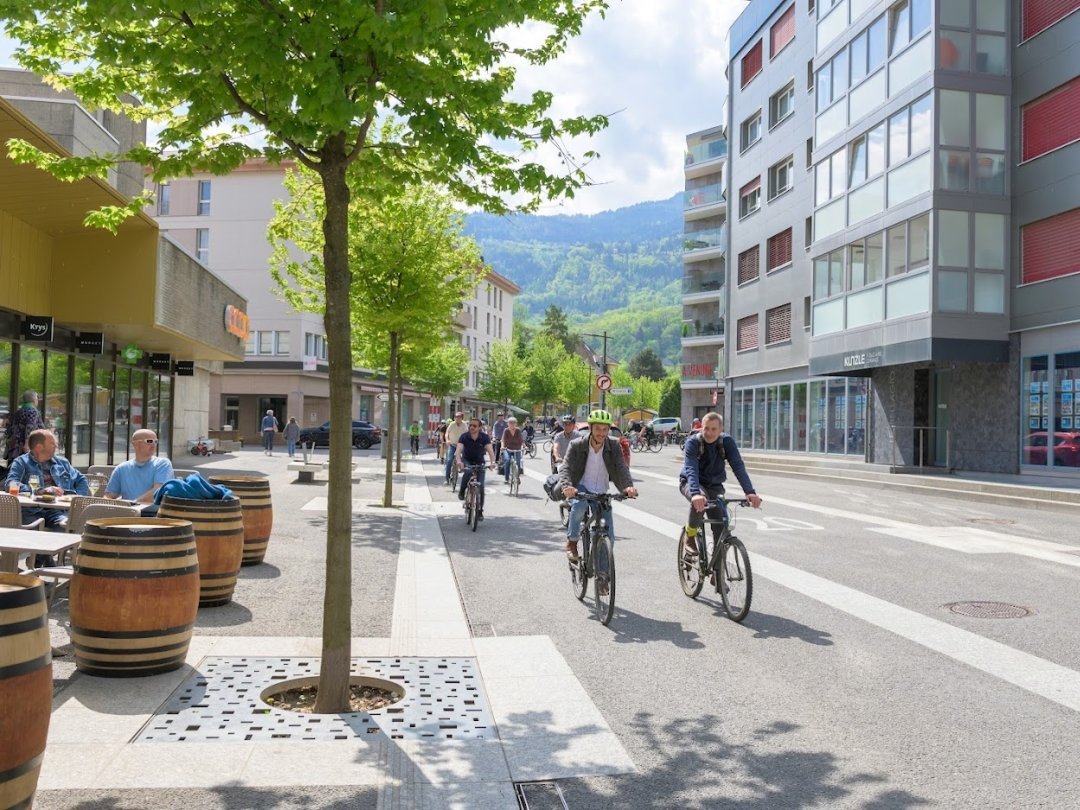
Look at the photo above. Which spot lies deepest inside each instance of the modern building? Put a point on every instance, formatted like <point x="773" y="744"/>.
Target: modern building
<point x="116" y="332"/>
<point x="905" y="217"/>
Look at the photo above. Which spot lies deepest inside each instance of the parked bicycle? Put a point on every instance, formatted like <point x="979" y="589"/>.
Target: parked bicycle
<point x="474" y="496"/>
<point x="728" y="568"/>
<point x="597" y="559"/>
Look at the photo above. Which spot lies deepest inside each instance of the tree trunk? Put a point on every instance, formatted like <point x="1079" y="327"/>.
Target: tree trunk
<point x="391" y="432"/>
<point x="333" y="694"/>
<point x="399" y="392"/>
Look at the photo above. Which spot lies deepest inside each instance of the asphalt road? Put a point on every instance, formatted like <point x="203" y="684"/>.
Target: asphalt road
<point x="851" y="684"/>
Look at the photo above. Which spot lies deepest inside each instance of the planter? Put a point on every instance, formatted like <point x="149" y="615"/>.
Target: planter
<point x="219" y="538"/>
<point x="258" y="511"/>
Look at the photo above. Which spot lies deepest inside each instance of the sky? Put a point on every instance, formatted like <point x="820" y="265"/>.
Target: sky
<point x="655" y="66"/>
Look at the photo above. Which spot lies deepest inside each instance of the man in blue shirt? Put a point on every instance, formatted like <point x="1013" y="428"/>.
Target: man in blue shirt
<point x="137" y="479"/>
<point x="55" y="476"/>
<point x="471" y="449"/>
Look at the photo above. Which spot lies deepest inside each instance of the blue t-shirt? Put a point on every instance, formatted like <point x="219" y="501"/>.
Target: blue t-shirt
<point x="474" y="450"/>
<point x="130" y="479"/>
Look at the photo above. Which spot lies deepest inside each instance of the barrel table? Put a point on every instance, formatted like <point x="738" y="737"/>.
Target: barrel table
<point x="134" y="596"/>
<point x="219" y="537"/>
<point x="25" y="687"/>
<point x="258" y="510"/>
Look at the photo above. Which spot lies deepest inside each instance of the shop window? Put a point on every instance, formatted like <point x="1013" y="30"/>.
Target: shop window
<point x="1066" y="439"/>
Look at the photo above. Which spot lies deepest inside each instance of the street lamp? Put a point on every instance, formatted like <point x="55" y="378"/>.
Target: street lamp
<point x="603" y="363"/>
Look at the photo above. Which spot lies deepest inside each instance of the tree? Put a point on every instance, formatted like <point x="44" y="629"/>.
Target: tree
<point x="671" y="396"/>
<point x="441" y="372"/>
<point x="575" y="381"/>
<point x="505" y="374"/>
<point x="544" y="357"/>
<point x="313" y="79"/>
<point x="646" y="363"/>
<point x="554" y="324"/>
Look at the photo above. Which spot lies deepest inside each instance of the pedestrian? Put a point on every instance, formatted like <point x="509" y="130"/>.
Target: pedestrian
<point x="270" y="426"/>
<point x="21" y="424"/>
<point x="292" y="433"/>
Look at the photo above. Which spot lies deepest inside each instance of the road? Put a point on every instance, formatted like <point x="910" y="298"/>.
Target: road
<point x="851" y="683"/>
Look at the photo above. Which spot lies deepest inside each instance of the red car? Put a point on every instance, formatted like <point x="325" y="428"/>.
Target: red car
<point x="1066" y="448"/>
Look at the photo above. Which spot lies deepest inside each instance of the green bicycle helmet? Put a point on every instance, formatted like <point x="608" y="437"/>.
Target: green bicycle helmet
<point x="599" y="417"/>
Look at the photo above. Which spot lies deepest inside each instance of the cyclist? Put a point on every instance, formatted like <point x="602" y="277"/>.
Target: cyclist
<point x="701" y="479"/>
<point x="472" y="446"/>
<point x="414" y="437"/>
<point x="497" y="428"/>
<point x="441" y="438"/>
<point x="513" y="439"/>
<point x="453" y="433"/>
<point x="590" y="464"/>
<point x="560" y="442"/>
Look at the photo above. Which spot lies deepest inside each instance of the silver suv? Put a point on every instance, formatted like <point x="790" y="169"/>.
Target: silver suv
<point x="663" y="424"/>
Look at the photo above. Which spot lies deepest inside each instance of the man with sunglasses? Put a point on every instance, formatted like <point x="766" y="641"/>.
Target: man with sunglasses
<point x="472" y="447"/>
<point x="137" y="479"/>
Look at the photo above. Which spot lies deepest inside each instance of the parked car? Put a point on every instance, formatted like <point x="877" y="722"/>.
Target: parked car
<point x="364" y="434"/>
<point x="662" y="424"/>
<point x="1066" y="448"/>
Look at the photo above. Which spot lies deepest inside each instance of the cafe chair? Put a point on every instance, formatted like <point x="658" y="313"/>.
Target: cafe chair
<point x="79" y="504"/>
<point x="97" y="482"/>
<point x="11" y="514"/>
<point x="103" y="469"/>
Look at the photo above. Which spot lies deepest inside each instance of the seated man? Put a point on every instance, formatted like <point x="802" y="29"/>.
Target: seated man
<point x="54" y="473"/>
<point x="137" y="479"/>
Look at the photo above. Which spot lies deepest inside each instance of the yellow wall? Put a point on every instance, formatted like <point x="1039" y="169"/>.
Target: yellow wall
<point x="25" y="267"/>
<point x="98" y="277"/>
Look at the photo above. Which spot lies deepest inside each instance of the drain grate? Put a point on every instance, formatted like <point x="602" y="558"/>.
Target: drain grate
<point x="539" y="796"/>
<point x="443" y="700"/>
<point x="989" y="610"/>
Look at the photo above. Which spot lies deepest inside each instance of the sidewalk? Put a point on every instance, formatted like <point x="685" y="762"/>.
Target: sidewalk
<point x="480" y="714"/>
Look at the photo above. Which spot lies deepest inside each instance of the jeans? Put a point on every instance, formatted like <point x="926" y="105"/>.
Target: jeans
<point x="466" y="474"/>
<point x="268" y="440"/>
<point x="696" y="519"/>
<point x="290" y="446"/>
<point x="507" y="455"/>
<point x="451" y="450"/>
<point x="578" y="509"/>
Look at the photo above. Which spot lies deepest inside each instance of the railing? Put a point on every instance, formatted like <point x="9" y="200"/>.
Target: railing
<point x="711" y="150"/>
<point x="920" y="446"/>
<point x="704" y="240"/>
<point x="703" y="195"/>
<point x="703" y="282"/>
<point x="696" y="328"/>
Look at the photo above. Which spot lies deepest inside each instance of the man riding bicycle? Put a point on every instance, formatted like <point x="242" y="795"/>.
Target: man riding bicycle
<point x="701" y="479"/>
<point x="454" y="432"/>
<point x="513" y="439"/>
<point x="590" y="464"/>
<point x="560" y="443"/>
<point x="472" y="446"/>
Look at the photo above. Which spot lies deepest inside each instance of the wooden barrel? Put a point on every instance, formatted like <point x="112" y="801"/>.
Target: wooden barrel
<point x="134" y="596"/>
<point x="25" y="687"/>
<point x="219" y="537"/>
<point x="254" y="494"/>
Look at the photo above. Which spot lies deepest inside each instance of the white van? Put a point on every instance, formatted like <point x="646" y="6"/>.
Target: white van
<point x="663" y="424"/>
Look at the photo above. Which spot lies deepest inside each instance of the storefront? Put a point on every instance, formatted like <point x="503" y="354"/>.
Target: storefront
<point x="1049" y="387"/>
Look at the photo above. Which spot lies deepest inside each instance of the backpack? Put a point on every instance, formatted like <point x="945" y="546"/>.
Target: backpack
<point x="552" y="488"/>
<point x="701" y="452"/>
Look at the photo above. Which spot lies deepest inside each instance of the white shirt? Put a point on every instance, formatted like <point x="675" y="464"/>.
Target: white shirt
<point x="595" y="478"/>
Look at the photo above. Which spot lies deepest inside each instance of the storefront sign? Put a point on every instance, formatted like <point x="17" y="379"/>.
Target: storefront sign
<point x="870" y="358"/>
<point x="38" y="327"/>
<point x="310" y="362"/>
<point x="131" y="354"/>
<point x="185" y="368"/>
<point x="237" y="322"/>
<point x="90" y="343"/>
<point x="161" y="362"/>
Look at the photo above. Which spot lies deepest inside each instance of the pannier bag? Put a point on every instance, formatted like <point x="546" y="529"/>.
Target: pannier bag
<point x="552" y="488"/>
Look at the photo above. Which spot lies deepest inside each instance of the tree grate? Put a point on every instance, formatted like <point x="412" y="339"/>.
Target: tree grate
<point x="539" y="796"/>
<point x="989" y="610"/>
<point x="444" y="700"/>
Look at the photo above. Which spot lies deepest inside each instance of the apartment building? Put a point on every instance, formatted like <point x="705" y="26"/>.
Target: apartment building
<point x="926" y="152"/>
<point x="487" y="317"/>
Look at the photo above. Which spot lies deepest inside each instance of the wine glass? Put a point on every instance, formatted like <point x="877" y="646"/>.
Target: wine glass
<point x="34" y="482"/>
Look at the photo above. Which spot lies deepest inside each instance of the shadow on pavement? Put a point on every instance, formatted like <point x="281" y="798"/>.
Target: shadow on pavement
<point x="260" y="571"/>
<point x="230" y="614"/>
<point x="225" y="797"/>
<point x="502" y="535"/>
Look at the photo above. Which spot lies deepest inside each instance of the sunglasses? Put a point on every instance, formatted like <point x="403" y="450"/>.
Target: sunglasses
<point x="147" y="441"/>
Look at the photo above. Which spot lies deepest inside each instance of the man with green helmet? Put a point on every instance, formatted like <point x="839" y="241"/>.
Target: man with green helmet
<point x="590" y="464"/>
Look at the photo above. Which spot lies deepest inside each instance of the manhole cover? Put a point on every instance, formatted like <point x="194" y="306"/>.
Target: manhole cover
<point x="989" y="610"/>
<point x="992" y="521"/>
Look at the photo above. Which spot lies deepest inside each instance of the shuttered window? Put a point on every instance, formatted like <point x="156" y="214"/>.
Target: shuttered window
<point x="1052" y="120"/>
<point x="747" y="336"/>
<point x="1051" y="247"/>
<point x="778" y="324"/>
<point x="1041" y="14"/>
<point x="778" y="252"/>
<point x="782" y="32"/>
<point x="749" y="261"/>
<point x="751" y="64"/>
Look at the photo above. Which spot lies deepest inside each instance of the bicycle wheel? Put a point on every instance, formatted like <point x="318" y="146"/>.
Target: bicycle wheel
<point x="530" y="449"/>
<point x="734" y="580"/>
<point x="564" y="514"/>
<point x="469" y="505"/>
<point x="453" y="477"/>
<point x="656" y="444"/>
<point x="579" y="576"/>
<point x="604" y="578"/>
<point x="515" y="478"/>
<point x="474" y="519"/>
<point x="691" y="574"/>
<point x="546" y="447"/>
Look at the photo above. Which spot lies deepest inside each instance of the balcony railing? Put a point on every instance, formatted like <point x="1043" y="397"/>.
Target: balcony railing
<point x="704" y="240"/>
<point x="700" y="328"/>
<point x="703" y="195"/>
<point x="711" y="150"/>
<point x="703" y="282"/>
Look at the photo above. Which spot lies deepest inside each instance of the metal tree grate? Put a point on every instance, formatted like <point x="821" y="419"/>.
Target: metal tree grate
<point x="989" y="610"/>
<point x="443" y="700"/>
<point x="539" y="796"/>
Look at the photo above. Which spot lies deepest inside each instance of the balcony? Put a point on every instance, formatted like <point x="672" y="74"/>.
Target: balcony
<point x="704" y="242"/>
<point x="703" y="333"/>
<point x="697" y="283"/>
<point x="703" y="196"/>
<point x="705" y="152"/>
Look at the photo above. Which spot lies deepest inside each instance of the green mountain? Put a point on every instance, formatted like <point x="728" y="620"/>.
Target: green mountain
<point x="617" y="270"/>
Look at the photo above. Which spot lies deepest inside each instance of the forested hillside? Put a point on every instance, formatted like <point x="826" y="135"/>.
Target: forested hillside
<point x="617" y="270"/>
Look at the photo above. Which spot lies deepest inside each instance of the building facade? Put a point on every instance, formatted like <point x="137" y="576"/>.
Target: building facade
<point x="911" y="204"/>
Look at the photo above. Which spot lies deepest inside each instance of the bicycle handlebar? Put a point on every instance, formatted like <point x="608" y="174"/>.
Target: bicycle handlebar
<point x="596" y="496"/>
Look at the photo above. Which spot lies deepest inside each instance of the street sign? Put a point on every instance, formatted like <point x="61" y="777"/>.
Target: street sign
<point x="382" y="397"/>
<point x="603" y="382"/>
<point x="624" y="391"/>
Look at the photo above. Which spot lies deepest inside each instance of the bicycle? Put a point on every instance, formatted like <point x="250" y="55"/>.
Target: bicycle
<point x="515" y="476"/>
<point x="453" y="476"/>
<point x="414" y="445"/>
<point x="472" y="496"/>
<point x="729" y="567"/>
<point x="529" y="448"/>
<point x="597" y="559"/>
<point x="656" y="443"/>
<point x="545" y="448"/>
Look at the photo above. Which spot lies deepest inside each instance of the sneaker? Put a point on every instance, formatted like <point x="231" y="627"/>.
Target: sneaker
<point x="689" y="547"/>
<point x="480" y="516"/>
<point x="461" y="496"/>
<point x="571" y="550"/>
<point x="603" y="588"/>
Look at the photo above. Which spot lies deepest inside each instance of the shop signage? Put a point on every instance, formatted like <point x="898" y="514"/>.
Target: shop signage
<point x="311" y="362"/>
<point x="382" y="397"/>
<point x="185" y="368"/>
<point x="131" y="354"/>
<point x="161" y="362"/>
<point x="37" y="327"/>
<point x="870" y="358"/>
<point x="236" y="322"/>
<point x="90" y="343"/>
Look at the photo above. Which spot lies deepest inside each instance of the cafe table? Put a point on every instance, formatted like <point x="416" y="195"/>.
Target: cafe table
<point x="62" y="503"/>
<point x="16" y="542"/>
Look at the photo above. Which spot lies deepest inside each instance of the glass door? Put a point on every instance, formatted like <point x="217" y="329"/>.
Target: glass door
<point x="942" y="395"/>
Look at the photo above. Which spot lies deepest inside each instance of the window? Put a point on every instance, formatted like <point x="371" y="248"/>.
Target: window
<point x="782" y="32"/>
<point x="202" y="244"/>
<point x="315" y="345"/>
<point x="910" y="129"/>
<point x="750" y="131"/>
<point x="806" y="312"/>
<point x="907" y="19"/>
<point x="808" y="235"/>
<point x="747" y="334"/>
<point x="782" y="104"/>
<point x="750" y="197"/>
<point x="271" y="342"/>
<point x="976" y="161"/>
<point x="163" y="199"/>
<point x="829" y="275"/>
<point x="1051" y="121"/>
<point x="809" y="154"/>
<point x="867" y="156"/>
<point x="749" y="262"/>
<point x="831" y="176"/>
<point x="778" y="324"/>
<point x="751" y="64"/>
<point x="1050" y="248"/>
<point x="868" y="51"/>
<point x="778" y="251"/>
<point x="781" y="177"/>
<point x="1039" y="15"/>
<point x="204" y="198"/>
<point x="283" y="341"/>
<point x="831" y="81"/>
